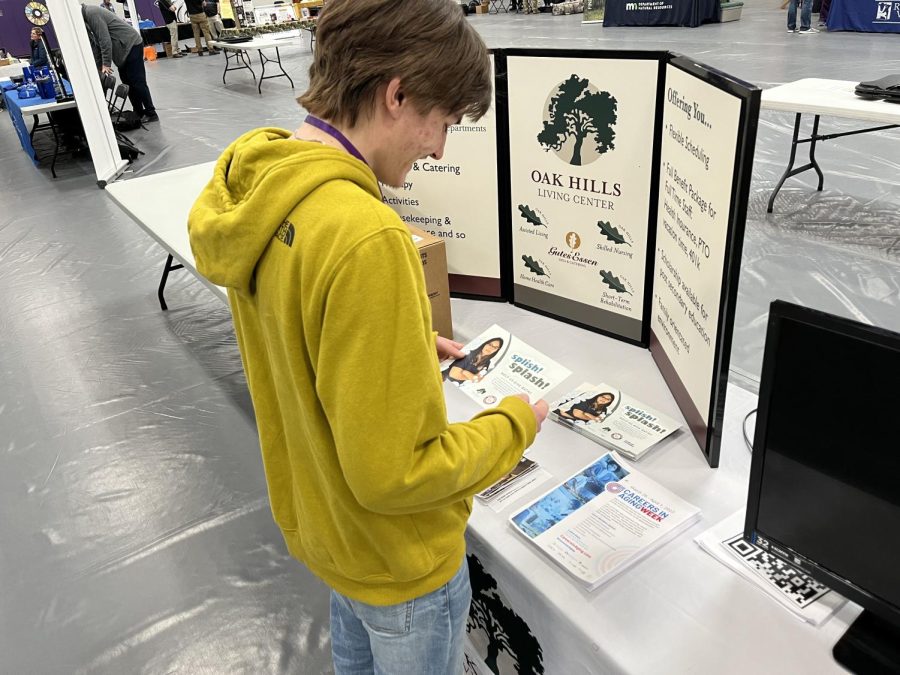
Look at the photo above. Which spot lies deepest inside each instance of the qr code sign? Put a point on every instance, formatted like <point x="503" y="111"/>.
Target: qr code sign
<point x="799" y="588"/>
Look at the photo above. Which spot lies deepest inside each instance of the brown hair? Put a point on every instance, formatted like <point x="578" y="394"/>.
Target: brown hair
<point x="362" y="44"/>
<point x="37" y="29"/>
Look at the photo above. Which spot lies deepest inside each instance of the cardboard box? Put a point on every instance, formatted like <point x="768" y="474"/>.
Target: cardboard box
<point x="731" y="11"/>
<point x="434" y="263"/>
<point x="481" y="9"/>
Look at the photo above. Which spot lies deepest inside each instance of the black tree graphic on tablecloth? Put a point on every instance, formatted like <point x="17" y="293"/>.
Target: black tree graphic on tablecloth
<point x="506" y="631"/>
<point x="577" y="112"/>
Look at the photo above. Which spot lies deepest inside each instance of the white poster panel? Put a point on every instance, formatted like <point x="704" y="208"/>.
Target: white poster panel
<point x="456" y="198"/>
<point x="581" y="149"/>
<point x="700" y="128"/>
<point x="85" y="79"/>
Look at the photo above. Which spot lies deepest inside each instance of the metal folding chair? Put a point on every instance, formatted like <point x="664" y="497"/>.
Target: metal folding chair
<point x="109" y="84"/>
<point x="117" y="105"/>
<point x="497" y="6"/>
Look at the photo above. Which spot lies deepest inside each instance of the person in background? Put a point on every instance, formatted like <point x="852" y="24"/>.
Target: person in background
<point x="107" y="4"/>
<point x="168" y="11"/>
<point x="823" y="13"/>
<point x="368" y="480"/>
<point x="805" y="17"/>
<point x="200" y="23"/>
<point x="211" y="7"/>
<point x="114" y="41"/>
<point x="38" y="50"/>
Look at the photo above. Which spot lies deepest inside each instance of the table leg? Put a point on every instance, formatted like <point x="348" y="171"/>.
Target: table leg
<point x="263" y="60"/>
<point x="813" y="163"/>
<point x="791" y="171"/>
<point x="55" y="147"/>
<point x="239" y="56"/>
<point x="262" y="75"/>
<point x="812" y="153"/>
<point x="34" y="127"/>
<point x="162" y="282"/>
<point x="245" y="57"/>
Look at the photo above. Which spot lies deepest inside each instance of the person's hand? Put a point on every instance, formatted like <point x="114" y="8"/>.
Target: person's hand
<point x="106" y="70"/>
<point x="539" y="408"/>
<point x="448" y="349"/>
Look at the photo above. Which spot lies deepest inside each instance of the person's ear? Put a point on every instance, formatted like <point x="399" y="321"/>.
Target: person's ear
<point x="394" y="98"/>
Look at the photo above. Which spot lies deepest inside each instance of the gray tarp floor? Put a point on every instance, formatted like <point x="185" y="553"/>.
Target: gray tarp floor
<point x="135" y="534"/>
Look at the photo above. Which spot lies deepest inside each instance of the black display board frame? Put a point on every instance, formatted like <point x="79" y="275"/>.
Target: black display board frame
<point x="660" y="57"/>
<point x="709" y="435"/>
<point x="481" y="288"/>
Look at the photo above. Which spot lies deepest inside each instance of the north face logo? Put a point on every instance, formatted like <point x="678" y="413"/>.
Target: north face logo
<point x="285" y="233"/>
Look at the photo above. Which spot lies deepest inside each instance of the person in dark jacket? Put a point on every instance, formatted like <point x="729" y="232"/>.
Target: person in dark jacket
<point x="114" y="41"/>
<point x="38" y="50"/>
<point x="170" y="16"/>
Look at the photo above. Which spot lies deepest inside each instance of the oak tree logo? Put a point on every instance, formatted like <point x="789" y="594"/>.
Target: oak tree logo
<point x="531" y="215"/>
<point x="535" y="266"/>
<point x="575" y="113"/>
<point x="573" y="240"/>
<point x="509" y="639"/>
<point x="616" y="284"/>
<point x="611" y="233"/>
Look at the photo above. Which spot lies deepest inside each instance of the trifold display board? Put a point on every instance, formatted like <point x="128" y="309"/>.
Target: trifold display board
<point x="607" y="189"/>
<point x="457" y="198"/>
<point x="709" y="133"/>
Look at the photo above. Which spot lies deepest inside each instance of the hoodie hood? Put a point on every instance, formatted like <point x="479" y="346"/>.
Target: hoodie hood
<point x="256" y="184"/>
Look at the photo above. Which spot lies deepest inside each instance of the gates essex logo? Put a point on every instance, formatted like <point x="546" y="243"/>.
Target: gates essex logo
<point x="573" y="240"/>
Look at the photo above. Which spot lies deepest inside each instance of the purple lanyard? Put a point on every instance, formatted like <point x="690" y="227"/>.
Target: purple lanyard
<point x="322" y="125"/>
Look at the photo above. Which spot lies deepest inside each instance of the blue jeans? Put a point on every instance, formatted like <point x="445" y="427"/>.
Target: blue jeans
<point x="805" y="14"/>
<point x="423" y="636"/>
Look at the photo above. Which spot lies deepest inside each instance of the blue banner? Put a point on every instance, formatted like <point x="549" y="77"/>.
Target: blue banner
<point x="689" y="13"/>
<point x="869" y="16"/>
<point x="14" y="106"/>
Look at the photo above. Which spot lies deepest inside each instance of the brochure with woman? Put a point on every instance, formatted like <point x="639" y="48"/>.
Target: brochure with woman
<point x="498" y="364"/>
<point x="612" y="418"/>
<point x="603" y="519"/>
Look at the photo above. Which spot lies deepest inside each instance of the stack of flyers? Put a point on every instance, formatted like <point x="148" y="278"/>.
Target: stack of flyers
<point x="613" y="419"/>
<point x="603" y="519"/>
<point x="497" y="364"/>
<point x="512" y="483"/>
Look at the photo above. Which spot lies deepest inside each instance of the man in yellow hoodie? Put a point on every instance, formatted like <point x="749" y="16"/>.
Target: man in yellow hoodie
<point x="368" y="481"/>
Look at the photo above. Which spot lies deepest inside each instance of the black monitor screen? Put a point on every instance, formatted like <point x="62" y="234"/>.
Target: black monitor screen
<point x="825" y="483"/>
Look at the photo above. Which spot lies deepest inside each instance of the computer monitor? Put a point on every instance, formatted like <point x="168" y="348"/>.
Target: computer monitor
<point x="825" y="475"/>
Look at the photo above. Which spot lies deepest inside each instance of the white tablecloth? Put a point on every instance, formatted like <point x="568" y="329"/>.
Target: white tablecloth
<point x="678" y="611"/>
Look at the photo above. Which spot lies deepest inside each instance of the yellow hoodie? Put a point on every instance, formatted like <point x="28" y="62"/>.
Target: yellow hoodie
<point x="369" y="483"/>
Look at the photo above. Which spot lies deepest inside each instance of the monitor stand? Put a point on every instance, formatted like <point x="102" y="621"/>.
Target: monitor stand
<point x="870" y="645"/>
